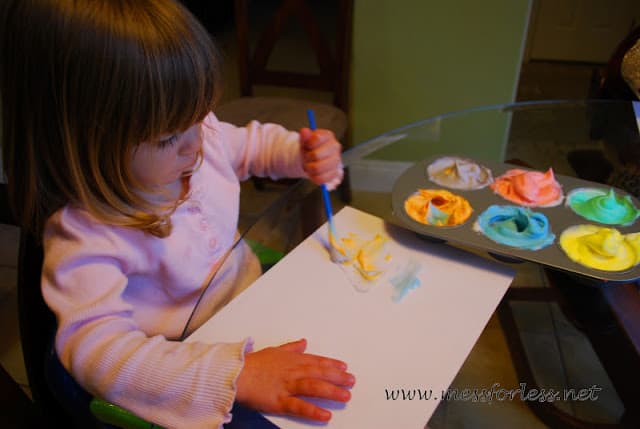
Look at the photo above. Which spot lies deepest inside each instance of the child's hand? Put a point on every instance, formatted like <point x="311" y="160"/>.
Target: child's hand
<point x="273" y="378"/>
<point x="321" y="158"/>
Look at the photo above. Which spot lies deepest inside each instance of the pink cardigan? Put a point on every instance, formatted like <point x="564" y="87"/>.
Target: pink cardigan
<point x="122" y="297"/>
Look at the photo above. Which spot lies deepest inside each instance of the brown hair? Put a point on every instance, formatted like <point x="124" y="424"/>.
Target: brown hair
<point x="83" y="82"/>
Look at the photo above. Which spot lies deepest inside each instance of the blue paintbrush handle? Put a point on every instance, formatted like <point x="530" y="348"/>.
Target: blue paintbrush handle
<point x="327" y="205"/>
<point x="325" y="192"/>
<point x="312" y="119"/>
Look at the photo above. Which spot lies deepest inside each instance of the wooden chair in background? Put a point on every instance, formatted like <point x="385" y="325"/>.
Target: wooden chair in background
<point x="261" y="27"/>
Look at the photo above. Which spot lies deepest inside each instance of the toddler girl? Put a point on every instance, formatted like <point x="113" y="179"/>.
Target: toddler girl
<point x="114" y="158"/>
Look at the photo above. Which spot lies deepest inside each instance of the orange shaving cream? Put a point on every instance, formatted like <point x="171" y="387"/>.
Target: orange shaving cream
<point x="529" y="188"/>
<point x="438" y="207"/>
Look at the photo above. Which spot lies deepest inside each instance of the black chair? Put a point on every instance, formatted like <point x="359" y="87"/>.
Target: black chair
<point x="48" y="380"/>
<point x="15" y="406"/>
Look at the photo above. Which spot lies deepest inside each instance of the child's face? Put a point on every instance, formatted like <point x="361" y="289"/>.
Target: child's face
<point x="165" y="160"/>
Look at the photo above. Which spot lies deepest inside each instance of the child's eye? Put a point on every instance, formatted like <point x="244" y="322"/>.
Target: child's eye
<point x="167" y="141"/>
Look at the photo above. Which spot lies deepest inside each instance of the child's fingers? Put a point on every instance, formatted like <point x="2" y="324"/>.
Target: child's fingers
<point x="330" y="152"/>
<point x="313" y="139"/>
<point x="314" y="388"/>
<point x="325" y="172"/>
<point x="325" y="151"/>
<point x="328" y="165"/>
<point x="332" y="184"/>
<point x="327" y="362"/>
<point x="321" y="155"/>
<point x="313" y="365"/>
<point x="334" y="376"/>
<point x="311" y="360"/>
<point x="319" y="144"/>
<point x="305" y="134"/>
<point x="300" y="408"/>
<point x="334" y="178"/>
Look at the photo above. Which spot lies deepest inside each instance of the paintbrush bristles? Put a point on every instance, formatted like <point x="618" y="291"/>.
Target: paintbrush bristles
<point x="337" y="253"/>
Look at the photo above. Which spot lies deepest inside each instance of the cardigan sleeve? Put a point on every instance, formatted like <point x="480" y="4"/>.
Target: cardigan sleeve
<point x="257" y="149"/>
<point x="167" y="382"/>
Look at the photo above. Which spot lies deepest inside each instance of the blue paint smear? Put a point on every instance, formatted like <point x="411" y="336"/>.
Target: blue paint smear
<point x="405" y="281"/>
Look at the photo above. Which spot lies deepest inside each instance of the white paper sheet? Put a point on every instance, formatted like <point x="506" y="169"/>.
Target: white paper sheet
<point x="418" y="343"/>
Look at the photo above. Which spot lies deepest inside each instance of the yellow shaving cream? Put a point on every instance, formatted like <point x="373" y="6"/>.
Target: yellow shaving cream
<point x="601" y="248"/>
<point x="333" y="243"/>
<point x="366" y="256"/>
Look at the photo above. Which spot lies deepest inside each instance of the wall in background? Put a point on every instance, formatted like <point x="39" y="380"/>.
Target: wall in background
<point x="413" y="59"/>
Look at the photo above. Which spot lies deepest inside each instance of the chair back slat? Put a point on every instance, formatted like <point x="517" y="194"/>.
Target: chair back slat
<point x="332" y="57"/>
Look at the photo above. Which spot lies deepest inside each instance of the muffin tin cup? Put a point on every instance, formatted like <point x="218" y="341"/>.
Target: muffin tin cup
<point x="560" y="217"/>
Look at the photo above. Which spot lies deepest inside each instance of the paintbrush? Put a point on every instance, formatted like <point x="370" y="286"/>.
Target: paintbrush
<point x="335" y="250"/>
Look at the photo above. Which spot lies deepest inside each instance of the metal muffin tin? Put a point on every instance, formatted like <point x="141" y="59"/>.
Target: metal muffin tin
<point x="560" y="218"/>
